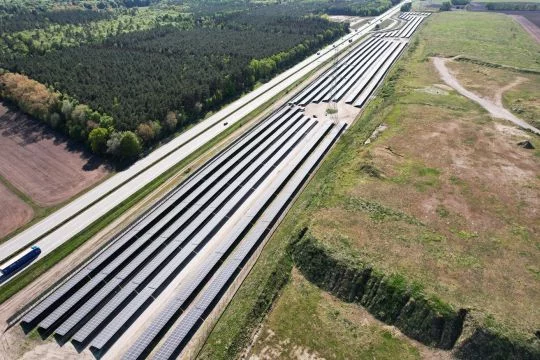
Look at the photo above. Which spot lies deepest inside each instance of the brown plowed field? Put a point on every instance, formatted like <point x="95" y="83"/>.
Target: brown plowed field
<point x="41" y="163"/>
<point x="13" y="213"/>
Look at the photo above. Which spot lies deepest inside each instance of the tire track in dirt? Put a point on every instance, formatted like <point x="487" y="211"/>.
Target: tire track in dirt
<point x="493" y="108"/>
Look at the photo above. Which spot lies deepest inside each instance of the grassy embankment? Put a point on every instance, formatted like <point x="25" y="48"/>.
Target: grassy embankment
<point x="349" y="331"/>
<point x="438" y="214"/>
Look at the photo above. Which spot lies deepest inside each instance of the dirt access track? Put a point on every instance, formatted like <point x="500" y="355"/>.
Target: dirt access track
<point x="529" y="26"/>
<point x="41" y="163"/>
<point x="494" y="108"/>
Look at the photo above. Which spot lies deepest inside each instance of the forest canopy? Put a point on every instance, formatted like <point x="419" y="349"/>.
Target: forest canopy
<point x="142" y="70"/>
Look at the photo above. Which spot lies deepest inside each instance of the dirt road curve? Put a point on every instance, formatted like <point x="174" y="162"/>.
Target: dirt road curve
<point x="528" y="26"/>
<point x="494" y="109"/>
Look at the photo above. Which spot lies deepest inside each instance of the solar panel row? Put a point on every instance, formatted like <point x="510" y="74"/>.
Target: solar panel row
<point x="213" y="223"/>
<point x="196" y="313"/>
<point x="31" y="318"/>
<point x="94" y="306"/>
<point x="144" y="344"/>
<point x="413" y="21"/>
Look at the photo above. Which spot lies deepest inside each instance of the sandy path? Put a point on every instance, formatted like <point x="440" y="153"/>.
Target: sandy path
<point x="494" y="109"/>
<point x="501" y="91"/>
<point x="530" y="27"/>
<point x="13" y="213"/>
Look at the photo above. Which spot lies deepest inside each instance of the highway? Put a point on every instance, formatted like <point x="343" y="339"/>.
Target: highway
<point x="68" y="221"/>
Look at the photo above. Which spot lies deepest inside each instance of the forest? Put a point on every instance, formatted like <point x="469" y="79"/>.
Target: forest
<point x="142" y="74"/>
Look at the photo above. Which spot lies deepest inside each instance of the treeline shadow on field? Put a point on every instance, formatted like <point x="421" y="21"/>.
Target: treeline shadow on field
<point x="27" y="130"/>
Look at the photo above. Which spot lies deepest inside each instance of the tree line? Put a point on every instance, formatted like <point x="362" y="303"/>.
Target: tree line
<point x="52" y="36"/>
<point x="513" y="6"/>
<point x="65" y="114"/>
<point x="31" y="19"/>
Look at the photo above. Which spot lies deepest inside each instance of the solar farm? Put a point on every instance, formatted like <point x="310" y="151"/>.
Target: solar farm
<point x="157" y="282"/>
<point x="412" y="21"/>
<point x="356" y="76"/>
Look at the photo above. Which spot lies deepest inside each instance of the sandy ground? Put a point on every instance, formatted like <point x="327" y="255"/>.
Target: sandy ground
<point x="42" y="164"/>
<point x="530" y="27"/>
<point x="345" y="112"/>
<point x="13" y="213"/>
<point x="496" y="110"/>
<point x="14" y="345"/>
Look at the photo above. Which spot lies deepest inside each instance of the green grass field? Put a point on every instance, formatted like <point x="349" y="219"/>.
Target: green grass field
<point x="494" y="38"/>
<point x="307" y="321"/>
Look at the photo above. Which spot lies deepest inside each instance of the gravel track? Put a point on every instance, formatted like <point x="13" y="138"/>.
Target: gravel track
<point x="494" y="109"/>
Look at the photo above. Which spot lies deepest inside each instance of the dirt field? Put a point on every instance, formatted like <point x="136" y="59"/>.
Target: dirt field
<point x="532" y="16"/>
<point x="444" y="196"/>
<point x="41" y="163"/>
<point x="13" y="213"/>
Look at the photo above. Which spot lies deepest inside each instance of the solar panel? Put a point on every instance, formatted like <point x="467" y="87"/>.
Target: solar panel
<point x="98" y="319"/>
<point x="49" y="301"/>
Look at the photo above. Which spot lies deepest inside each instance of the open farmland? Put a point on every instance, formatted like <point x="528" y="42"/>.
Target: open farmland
<point x="45" y="166"/>
<point x="13" y="213"/>
<point x="413" y="225"/>
<point x="531" y="24"/>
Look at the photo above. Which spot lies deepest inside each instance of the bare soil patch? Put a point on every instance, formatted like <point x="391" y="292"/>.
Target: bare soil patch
<point x="13" y="213"/>
<point x="345" y="112"/>
<point x="15" y="345"/>
<point x="43" y="164"/>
